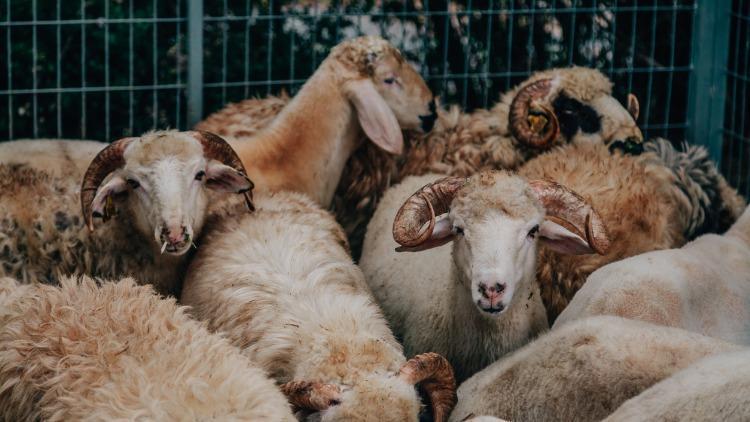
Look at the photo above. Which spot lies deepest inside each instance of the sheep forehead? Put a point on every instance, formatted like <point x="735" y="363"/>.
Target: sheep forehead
<point x="156" y="146"/>
<point x="496" y="191"/>
<point x="358" y="53"/>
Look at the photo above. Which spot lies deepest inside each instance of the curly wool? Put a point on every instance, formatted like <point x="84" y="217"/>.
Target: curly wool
<point x="118" y="351"/>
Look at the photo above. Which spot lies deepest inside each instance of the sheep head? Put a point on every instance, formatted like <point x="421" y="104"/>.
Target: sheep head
<point x="381" y="397"/>
<point x="162" y="179"/>
<point x="386" y="92"/>
<point x="495" y="220"/>
<point x="570" y="105"/>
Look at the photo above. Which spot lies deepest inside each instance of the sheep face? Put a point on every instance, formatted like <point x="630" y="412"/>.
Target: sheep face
<point x="378" y="398"/>
<point x="495" y="220"/>
<point x="386" y="92"/>
<point x="581" y="102"/>
<point x="163" y="184"/>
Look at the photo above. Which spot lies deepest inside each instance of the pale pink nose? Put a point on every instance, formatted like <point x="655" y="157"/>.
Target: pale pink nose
<point x="493" y="292"/>
<point x="174" y="235"/>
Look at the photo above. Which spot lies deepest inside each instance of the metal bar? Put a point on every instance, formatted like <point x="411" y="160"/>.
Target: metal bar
<point x="97" y="21"/>
<point x="154" y="67"/>
<point x="487" y="59"/>
<point x="224" y="41"/>
<point x="670" y="77"/>
<point x="195" y="62"/>
<point x="467" y="53"/>
<point x="649" y="90"/>
<point x="130" y="69"/>
<point x="178" y="59"/>
<point x="708" y="82"/>
<point x="34" y="70"/>
<point x="743" y="98"/>
<point x="9" y="62"/>
<point x="269" y="47"/>
<point x="107" y="134"/>
<point x="83" y="70"/>
<point x="58" y="99"/>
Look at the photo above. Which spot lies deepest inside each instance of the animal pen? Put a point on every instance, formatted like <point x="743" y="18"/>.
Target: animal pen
<point x="103" y="69"/>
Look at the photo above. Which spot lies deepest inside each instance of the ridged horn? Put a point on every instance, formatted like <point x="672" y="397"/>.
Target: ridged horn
<point x="435" y="375"/>
<point x="521" y="108"/>
<point x="312" y="396"/>
<point x="216" y="148"/>
<point x="422" y="207"/>
<point x="570" y="210"/>
<point x="106" y="161"/>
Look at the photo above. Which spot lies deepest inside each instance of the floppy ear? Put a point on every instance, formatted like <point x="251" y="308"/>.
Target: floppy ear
<point x="562" y="240"/>
<point x="223" y="178"/>
<point x="441" y="234"/>
<point x="102" y="205"/>
<point x="375" y="117"/>
<point x="634" y="107"/>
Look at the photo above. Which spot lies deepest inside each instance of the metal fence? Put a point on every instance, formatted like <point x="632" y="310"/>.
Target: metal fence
<point x="101" y="69"/>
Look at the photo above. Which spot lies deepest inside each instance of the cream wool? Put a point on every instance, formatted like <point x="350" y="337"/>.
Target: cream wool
<point x="118" y="351"/>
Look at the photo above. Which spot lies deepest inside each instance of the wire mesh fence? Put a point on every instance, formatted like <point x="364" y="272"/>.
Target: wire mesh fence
<point x="101" y="69"/>
<point x="736" y="154"/>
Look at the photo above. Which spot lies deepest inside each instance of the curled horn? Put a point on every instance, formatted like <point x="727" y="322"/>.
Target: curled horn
<point x="520" y="108"/>
<point x="422" y="207"/>
<point x="216" y="148"/>
<point x="106" y="161"/>
<point x="570" y="210"/>
<point x="313" y="396"/>
<point x="436" y="377"/>
<point x="634" y="107"/>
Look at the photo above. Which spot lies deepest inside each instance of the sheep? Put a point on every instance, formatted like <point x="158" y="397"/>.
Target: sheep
<point x="119" y="352"/>
<point x="564" y="105"/>
<point x="364" y="85"/>
<point x="493" y="290"/>
<point x="716" y="388"/>
<point x="281" y="285"/>
<point x="156" y="188"/>
<point x="583" y="371"/>
<point x="703" y="287"/>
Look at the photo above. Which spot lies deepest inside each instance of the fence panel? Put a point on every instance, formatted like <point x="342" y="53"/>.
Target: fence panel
<point x="736" y="146"/>
<point x="102" y="69"/>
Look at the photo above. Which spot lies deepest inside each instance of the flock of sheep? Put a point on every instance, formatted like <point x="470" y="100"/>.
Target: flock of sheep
<point x="572" y="288"/>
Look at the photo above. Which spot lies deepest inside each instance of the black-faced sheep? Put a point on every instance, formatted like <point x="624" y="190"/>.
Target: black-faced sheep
<point x="119" y="352"/>
<point x="156" y="189"/>
<point x="281" y="285"/>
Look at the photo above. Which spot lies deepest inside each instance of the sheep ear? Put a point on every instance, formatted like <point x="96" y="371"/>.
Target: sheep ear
<point x="634" y="107"/>
<point x="442" y="233"/>
<point x="375" y="117"/>
<point x="102" y="205"/>
<point x="562" y="240"/>
<point x="223" y="178"/>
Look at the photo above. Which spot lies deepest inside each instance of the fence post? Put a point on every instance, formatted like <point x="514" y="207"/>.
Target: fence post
<point x="195" y="63"/>
<point x="708" y="80"/>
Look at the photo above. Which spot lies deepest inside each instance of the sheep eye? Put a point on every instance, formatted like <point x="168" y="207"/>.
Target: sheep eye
<point x="533" y="232"/>
<point x="199" y="176"/>
<point x="133" y="184"/>
<point x="458" y="230"/>
<point x="389" y="80"/>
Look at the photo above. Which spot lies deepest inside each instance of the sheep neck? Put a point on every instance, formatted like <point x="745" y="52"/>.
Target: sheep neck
<point x="306" y="147"/>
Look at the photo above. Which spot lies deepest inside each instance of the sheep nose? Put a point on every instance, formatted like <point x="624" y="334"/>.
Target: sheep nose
<point x="428" y="121"/>
<point x="174" y="235"/>
<point x="492" y="292"/>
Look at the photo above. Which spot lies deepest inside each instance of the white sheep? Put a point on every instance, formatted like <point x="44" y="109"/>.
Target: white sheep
<point x="58" y="157"/>
<point x="716" y="388"/>
<point x="703" y="286"/>
<point x="583" y="371"/>
<point x="364" y="85"/>
<point x="119" y="352"/>
<point x="493" y="291"/>
<point x="155" y="188"/>
<point x="281" y="285"/>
